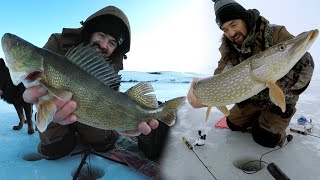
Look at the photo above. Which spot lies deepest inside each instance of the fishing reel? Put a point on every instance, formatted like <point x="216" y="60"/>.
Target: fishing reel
<point x="201" y="139"/>
<point x="307" y="126"/>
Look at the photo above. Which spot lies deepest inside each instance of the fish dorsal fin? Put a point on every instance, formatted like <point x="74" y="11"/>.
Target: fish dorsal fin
<point x="139" y="94"/>
<point x="88" y="58"/>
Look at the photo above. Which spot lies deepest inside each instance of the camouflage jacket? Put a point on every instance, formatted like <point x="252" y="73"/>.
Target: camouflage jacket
<point x="263" y="36"/>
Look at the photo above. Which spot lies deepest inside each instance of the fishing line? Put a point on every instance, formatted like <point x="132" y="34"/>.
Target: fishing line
<point x="89" y="168"/>
<point x="289" y="138"/>
<point x="88" y="152"/>
<point x="189" y="145"/>
<point x="313" y="135"/>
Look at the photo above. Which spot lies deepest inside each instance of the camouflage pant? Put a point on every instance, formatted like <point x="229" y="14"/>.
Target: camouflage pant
<point x="58" y="140"/>
<point x="268" y="124"/>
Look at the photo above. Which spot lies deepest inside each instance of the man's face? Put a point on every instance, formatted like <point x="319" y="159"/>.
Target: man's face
<point x="235" y="30"/>
<point x="107" y="43"/>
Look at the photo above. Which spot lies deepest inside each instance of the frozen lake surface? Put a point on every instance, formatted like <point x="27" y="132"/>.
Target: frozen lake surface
<point x="223" y="149"/>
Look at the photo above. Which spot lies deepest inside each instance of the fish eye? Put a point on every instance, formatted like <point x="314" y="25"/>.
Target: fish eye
<point x="281" y="47"/>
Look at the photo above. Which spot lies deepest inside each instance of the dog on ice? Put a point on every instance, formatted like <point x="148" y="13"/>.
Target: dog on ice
<point x="13" y="95"/>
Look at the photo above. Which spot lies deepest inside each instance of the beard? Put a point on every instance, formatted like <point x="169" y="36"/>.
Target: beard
<point x="237" y="38"/>
<point x="101" y="50"/>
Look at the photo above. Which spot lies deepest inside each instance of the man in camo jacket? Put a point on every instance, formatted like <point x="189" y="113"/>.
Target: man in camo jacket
<point x="246" y="33"/>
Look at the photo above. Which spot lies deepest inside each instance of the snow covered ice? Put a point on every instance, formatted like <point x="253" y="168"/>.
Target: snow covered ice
<point x="223" y="148"/>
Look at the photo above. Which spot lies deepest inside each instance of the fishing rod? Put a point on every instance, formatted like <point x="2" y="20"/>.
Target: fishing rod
<point x="307" y="130"/>
<point x="276" y="172"/>
<point x="272" y="168"/>
<point x="87" y="153"/>
<point x="189" y="145"/>
<point x="303" y="132"/>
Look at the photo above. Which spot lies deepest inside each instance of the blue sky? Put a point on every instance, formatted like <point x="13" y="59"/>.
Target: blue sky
<point x="35" y="20"/>
<point x="167" y="35"/>
<point x="151" y="22"/>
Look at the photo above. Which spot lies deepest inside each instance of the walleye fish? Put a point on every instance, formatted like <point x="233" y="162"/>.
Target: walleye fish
<point x="254" y="75"/>
<point x="85" y="75"/>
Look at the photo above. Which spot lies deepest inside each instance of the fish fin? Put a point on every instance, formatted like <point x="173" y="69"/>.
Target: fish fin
<point x="130" y="132"/>
<point x="169" y="110"/>
<point x="60" y="94"/>
<point x="46" y="111"/>
<point x="276" y="95"/>
<point x="91" y="60"/>
<point x="224" y="110"/>
<point x="208" y="112"/>
<point x="139" y="94"/>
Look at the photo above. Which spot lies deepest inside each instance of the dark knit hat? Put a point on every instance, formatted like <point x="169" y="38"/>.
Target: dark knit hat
<point x="227" y="10"/>
<point x="111" y="25"/>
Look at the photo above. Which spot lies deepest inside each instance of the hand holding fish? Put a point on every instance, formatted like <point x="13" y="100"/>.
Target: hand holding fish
<point x="64" y="114"/>
<point x="65" y="109"/>
<point x="69" y="76"/>
<point x="252" y="76"/>
<point x="193" y="100"/>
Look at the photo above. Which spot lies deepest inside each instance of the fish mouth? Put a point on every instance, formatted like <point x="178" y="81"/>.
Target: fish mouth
<point x="4" y="41"/>
<point x="305" y="41"/>
<point x="8" y="41"/>
<point x="313" y="36"/>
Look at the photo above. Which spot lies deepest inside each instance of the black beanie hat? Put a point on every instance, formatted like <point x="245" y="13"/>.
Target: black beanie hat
<point x="227" y="10"/>
<point x="111" y="25"/>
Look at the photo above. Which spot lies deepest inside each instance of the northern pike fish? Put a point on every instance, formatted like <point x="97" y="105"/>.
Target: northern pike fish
<point x="84" y="75"/>
<point x="254" y="75"/>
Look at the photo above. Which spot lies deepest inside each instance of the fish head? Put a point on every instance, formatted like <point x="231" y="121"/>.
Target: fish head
<point x="299" y="45"/>
<point x="296" y="47"/>
<point x="281" y="57"/>
<point x="22" y="58"/>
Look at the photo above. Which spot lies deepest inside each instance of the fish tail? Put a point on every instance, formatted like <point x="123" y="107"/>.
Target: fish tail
<point x="168" y="115"/>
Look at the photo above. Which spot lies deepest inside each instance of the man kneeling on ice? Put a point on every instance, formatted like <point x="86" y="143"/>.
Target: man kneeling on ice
<point x="246" y="33"/>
